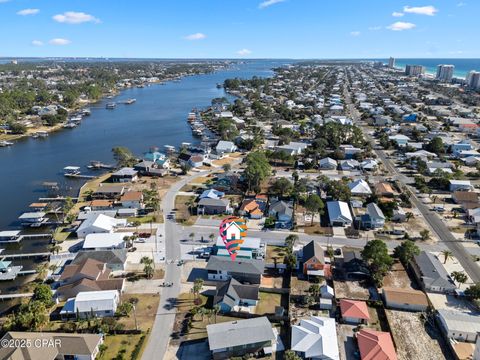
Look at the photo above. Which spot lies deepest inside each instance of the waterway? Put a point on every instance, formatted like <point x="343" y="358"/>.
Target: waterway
<point x="157" y="118"/>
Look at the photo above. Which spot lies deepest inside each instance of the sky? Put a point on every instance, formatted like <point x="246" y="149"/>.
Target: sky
<point x="294" y="29"/>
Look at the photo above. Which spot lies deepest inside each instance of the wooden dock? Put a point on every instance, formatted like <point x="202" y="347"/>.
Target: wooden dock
<point x="15" y="296"/>
<point x="25" y="255"/>
<point x="80" y="176"/>
<point x="58" y="198"/>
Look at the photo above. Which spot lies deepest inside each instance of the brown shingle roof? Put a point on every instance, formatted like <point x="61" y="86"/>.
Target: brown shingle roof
<point x="405" y="296"/>
<point x="132" y="196"/>
<point x="89" y="268"/>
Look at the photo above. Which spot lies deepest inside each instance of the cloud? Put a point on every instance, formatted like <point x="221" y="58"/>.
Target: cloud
<point x="397" y="14"/>
<point x="375" y="28"/>
<point x="461" y="3"/>
<point x="37" y="43"/>
<point x="244" y="52"/>
<point x="59" y="42"/>
<point x="196" y="36"/>
<point x="4" y="1"/>
<point x="268" y="3"/>
<point x="25" y="12"/>
<point x="72" y="17"/>
<point x="355" y="33"/>
<point x="421" y="10"/>
<point x="400" y="26"/>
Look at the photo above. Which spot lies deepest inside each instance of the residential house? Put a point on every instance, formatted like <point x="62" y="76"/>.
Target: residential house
<point x="251" y="248"/>
<point x="373" y="218"/>
<point x="384" y="189"/>
<point x="224" y="147"/>
<point x="339" y="213"/>
<point x="282" y="211"/>
<point x="89" y="275"/>
<point x="212" y="194"/>
<point x="132" y="200"/>
<point x="354" y="267"/>
<point x="150" y="168"/>
<point x="313" y="260"/>
<point x="207" y="206"/>
<point x="360" y="188"/>
<point x="405" y="299"/>
<point x="315" y="338"/>
<point x="369" y="165"/>
<point x="91" y="303"/>
<point x="293" y="148"/>
<point x="101" y="204"/>
<point x="112" y="192"/>
<point x="114" y="259"/>
<point x="328" y="164"/>
<point x="252" y="208"/>
<point x="240" y="337"/>
<point x="125" y="174"/>
<point x="348" y="165"/>
<point x="99" y="223"/>
<point x="375" y="345"/>
<point x="458" y="325"/>
<point x="431" y="273"/>
<point x="222" y="268"/>
<point x="467" y="199"/>
<point x="107" y="241"/>
<point x="354" y="311"/>
<point x="464" y="185"/>
<point x="57" y="346"/>
<point x="231" y="295"/>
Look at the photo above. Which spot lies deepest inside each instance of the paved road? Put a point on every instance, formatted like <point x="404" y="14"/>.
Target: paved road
<point x="165" y="316"/>
<point x="432" y="219"/>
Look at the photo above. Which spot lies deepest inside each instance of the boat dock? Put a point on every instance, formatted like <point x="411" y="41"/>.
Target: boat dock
<point x="15" y="296"/>
<point x="26" y="255"/>
<point x="59" y="198"/>
<point x="80" y="176"/>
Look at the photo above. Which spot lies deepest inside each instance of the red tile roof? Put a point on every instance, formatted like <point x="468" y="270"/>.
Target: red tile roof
<point x="354" y="309"/>
<point x="375" y="345"/>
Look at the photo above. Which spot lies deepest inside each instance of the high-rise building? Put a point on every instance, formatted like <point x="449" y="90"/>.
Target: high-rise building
<point x="445" y="72"/>
<point x="473" y="80"/>
<point x="378" y="64"/>
<point x="414" y="70"/>
<point x="391" y="62"/>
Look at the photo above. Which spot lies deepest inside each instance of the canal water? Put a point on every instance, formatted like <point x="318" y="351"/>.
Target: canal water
<point x="158" y="118"/>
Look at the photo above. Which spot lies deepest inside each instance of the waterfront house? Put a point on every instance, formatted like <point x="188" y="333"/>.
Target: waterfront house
<point x="107" y="241"/>
<point x="354" y="311"/>
<point x="33" y="219"/>
<point x="431" y="274"/>
<point x="100" y="204"/>
<point x="125" y="174"/>
<point x="64" y="346"/>
<point x="339" y="213"/>
<point x="88" y="275"/>
<point x="240" y="337"/>
<point x="150" y="168"/>
<point x="222" y="268"/>
<point x="208" y="206"/>
<point x="113" y="192"/>
<point x="405" y="299"/>
<point x="99" y="223"/>
<point x="224" y="147"/>
<point x="132" y="200"/>
<point x="234" y="296"/>
<point x="99" y="304"/>
<point x="375" y="345"/>
<point x="315" y="338"/>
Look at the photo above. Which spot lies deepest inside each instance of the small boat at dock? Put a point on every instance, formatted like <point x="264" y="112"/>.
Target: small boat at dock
<point x="5" y="143"/>
<point x="71" y="170"/>
<point x="97" y="165"/>
<point x="86" y="112"/>
<point x="70" y="125"/>
<point x="40" y="134"/>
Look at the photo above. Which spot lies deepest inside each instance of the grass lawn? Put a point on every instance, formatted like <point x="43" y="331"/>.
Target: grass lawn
<point x="124" y="344"/>
<point x="267" y="303"/>
<point x="182" y="214"/>
<point x="60" y="234"/>
<point x="275" y="252"/>
<point x="147" y="306"/>
<point x="142" y="219"/>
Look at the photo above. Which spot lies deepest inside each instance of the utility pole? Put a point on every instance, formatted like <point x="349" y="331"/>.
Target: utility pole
<point x="135" y="316"/>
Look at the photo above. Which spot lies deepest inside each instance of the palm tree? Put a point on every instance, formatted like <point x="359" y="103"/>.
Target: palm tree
<point x="54" y="248"/>
<point x="147" y="266"/>
<point x="459" y="277"/>
<point x="42" y="270"/>
<point x="447" y="254"/>
<point x="216" y="310"/>
<point x="197" y="287"/>
<point x="425" y="235"/>
<point x="408" y="216"/>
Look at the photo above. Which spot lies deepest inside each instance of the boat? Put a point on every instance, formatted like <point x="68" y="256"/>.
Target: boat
<point x="42" y="134"/>
<point x="169" y="148"/>
<point x="141" y="86"/>
<point x="70" y="125"/>
<point x="71" y="170"/>
<point x="111" y="105"/>
<point x="219" y="86"/>
<point x="4" y="143"/>
<point x="97" y="165"/>
<point x="86" y="112"/>
<point x="191" y="117"/>
<point x="130" y="101"/>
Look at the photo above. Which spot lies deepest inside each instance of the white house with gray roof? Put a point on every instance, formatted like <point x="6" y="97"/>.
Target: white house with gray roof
<point x="339" y="213"/>
<point x="431" y="273"/>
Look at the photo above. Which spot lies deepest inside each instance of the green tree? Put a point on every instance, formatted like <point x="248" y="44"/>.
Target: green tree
<point x="473" y="291"/>
<point x="281" y="187"/>
<point x="43" y="293"/>
<point x="436" y="146"/>
<point x="291" y="355"/>
<point x="338" y="190"/>
<point x="226" y="167"/>
<point x="123" y="156"/>
<point x="425" y="234"/>
<point x="375" y="253"/>
<point x="406" y="251"/>
<point x="197" y="287"/>
<point x="257" y="169"/>
<point x="314" y="205"/>
<point x="447" y="254"/>
<point x="147" y="266"/>
<point x="125" y="308"/>
<point x="459" y="276"/>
